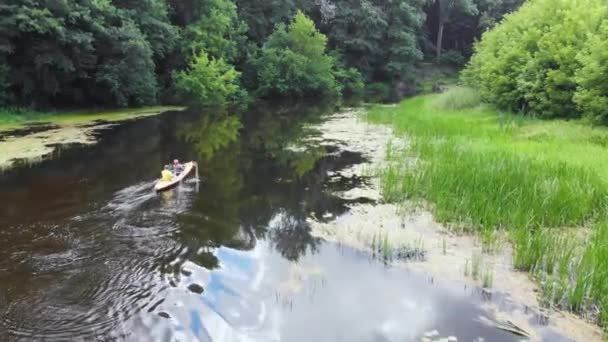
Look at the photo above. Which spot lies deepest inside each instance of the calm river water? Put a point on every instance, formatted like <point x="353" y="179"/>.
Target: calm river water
<point x="89" y="252"/>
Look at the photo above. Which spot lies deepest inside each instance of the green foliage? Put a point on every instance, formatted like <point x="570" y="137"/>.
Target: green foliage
<point x="293" y="62"/>
<point x="445" y="10"/>
<point x="448" y="7"/>
<point x="452" y="58"/>
<point x="379" y="38"/>
<point x="478" y="169"/>
<point x="211" y="133"/>
<point x="4" y="84"/>
<point x="465" y="22"/>
<point x="457" y="98"/>
<point x="208" y="82"/>
<point x="218" y="32"/>
<point x="152" y="18"/>
<point x="124" y="52"/>
<point x="377" y="92"/>
<point x="262" y="16"/>
<point x="75" y="52"/>
<point x="537" y="180"/>
<point x="592" y="94"/>
<point x="529" y="61"/>
<point x="128" y="72"/>
<point x="351" y="81"/>
<point x="492" y="11"/>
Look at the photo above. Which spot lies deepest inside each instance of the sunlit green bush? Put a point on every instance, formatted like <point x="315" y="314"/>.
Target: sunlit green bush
<point x="528" y="63"/>
<point x="294" y="62"/>
<point x="207" y="82"/>
<point x="592" y="94"/>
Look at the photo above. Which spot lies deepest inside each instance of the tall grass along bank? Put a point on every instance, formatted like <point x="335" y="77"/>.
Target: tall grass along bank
<point x="542" y="182"/>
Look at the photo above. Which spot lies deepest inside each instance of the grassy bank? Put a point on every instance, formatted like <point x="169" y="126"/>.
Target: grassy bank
<point x="543" y="182"/>
<point x="11" y="118"/>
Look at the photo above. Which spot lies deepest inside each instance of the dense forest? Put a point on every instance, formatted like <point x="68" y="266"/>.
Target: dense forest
<point x="60" y="53"/>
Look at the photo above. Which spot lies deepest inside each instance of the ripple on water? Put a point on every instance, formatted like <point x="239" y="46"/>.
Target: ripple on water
<point x="89" y="274"/>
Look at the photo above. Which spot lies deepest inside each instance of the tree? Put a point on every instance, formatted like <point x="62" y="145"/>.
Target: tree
<point x="218" y="31"/>
<point x="445" y="9"/>
<point x="207" y="82"/>
<point x="591" y="96"/>
<point x="293" y="62"/>
<point x="4" y="84"/>
<point x="379" y="38"/>
<point x="262" y="16"/>
<point x="529" y="62"/>
<point x="493" y="11"/>
<point x="402" y="51"/>
<point x="127" y="68"/>
<point x="74" y="53"/>
<point x="152" y="18"/>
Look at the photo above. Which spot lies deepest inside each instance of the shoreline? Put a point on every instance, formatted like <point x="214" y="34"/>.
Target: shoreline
<point x="34" y="140"/>
<point x="449" y="256"/>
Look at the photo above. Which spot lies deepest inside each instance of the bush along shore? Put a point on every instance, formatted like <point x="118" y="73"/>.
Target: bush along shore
<point x="540" y="183"/>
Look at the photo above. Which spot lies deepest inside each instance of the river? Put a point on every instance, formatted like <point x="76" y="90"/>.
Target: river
<point x="89" y="252"/>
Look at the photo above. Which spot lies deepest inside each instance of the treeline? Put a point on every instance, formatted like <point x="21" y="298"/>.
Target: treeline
<point x="549" y="59"/>
<point x="59" y="53"/>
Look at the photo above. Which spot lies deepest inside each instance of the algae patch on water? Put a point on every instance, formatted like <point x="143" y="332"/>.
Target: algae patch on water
<point x="37" y="136"/>
<point x="407" y="235"/>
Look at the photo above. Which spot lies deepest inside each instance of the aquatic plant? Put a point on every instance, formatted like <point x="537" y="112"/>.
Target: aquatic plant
<point x="387" y="251"/>
<point x="475" y="265"/>
<point x="488" y="278"/>
<point x="491" y="172"/>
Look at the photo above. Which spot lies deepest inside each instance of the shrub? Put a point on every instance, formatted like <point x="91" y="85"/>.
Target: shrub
<point x="453" y="58"/>
<point x="293" y="62"/>
<point x="377" y="92"/>
<point x="592" y="94"/>
<point x="529" y="61"/>
<point x="351" y="82"/>
<point x="208" y="82"/>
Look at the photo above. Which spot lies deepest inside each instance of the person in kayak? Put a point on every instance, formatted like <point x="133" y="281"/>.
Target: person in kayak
<point x="166" y="174"/>
<point x="178" y="168"/>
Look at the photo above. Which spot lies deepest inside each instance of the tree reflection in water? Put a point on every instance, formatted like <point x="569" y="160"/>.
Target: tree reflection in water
<point x="250" y="179"/>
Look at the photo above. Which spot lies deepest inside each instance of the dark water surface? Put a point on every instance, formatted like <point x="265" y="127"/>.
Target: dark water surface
<point x="89" y="252"/>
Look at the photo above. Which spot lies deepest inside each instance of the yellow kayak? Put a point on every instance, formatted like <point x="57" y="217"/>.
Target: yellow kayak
<point x="166" y="185"/>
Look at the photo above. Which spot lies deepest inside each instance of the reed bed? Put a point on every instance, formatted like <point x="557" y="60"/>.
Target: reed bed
<point x="543" y="182"/>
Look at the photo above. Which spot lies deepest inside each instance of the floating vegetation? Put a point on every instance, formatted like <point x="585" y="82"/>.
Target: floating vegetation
<point x="72" y="128"/>
<point x="388" y="251"/>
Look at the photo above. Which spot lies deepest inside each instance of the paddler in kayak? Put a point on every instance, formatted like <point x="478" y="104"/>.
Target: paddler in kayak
<point x="166" y="174"/>
<point x="178" y="167"/>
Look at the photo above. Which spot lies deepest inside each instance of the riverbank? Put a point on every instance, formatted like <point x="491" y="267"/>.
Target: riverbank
<point x="18" y="118"/>
<point x="403" y="233"/>
<point x="30" y="136"/>
<point x="539" y="185"/>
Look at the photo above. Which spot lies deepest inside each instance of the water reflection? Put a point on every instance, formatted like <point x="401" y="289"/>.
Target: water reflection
<point x="89" y="251"/>
<point x="210" y="133"/>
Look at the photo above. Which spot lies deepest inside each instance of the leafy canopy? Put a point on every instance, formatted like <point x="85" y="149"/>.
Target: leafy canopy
<point x="293" y="62"/>
<point x="207" y="82"/>
<point x="530" y="61"/>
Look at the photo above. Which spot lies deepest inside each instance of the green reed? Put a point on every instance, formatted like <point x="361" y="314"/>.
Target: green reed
<point x="493" y="171"/>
